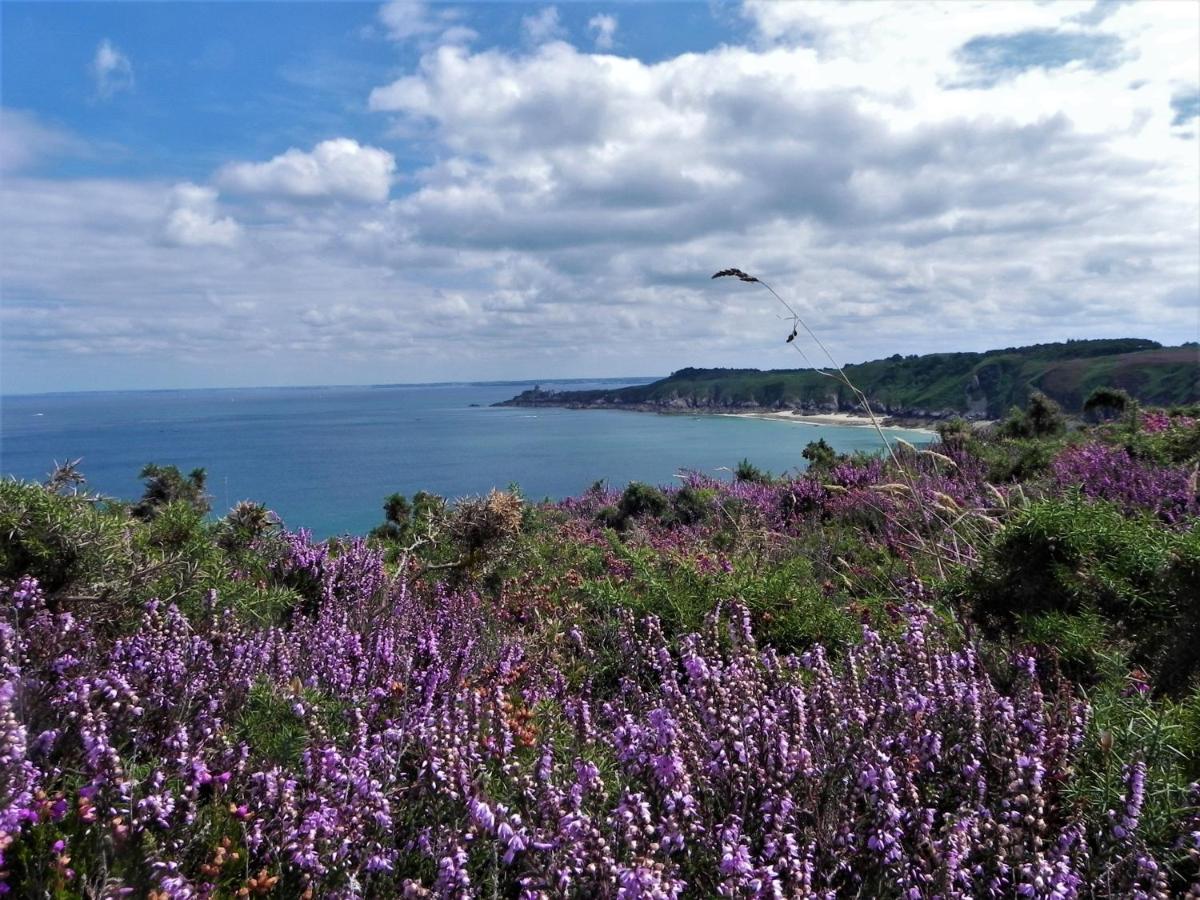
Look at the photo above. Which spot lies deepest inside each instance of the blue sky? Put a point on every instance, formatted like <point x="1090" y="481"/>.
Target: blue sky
<point x="271" y="193"/>
<point x="216" y="81"/>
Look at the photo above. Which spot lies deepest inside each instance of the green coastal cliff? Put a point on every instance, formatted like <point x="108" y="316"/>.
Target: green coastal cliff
<point x="937" y="385"/>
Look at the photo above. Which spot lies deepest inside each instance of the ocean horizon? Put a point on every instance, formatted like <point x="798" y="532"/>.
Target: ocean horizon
<point x="325" y="457"/>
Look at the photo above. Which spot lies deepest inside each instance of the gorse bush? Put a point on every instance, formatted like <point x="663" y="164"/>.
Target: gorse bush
<point x="819" y="454"/>
<point x="63" y="541"/>
<point x="747" y="471"/>
<point x="1090" y="560"/>
<point x="166" y="485"/>
<point x="1042" y="417"/>
<point x="1105" y="403"/>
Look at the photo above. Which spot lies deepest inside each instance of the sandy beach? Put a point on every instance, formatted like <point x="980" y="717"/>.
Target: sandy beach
<point x="838" y="418"/>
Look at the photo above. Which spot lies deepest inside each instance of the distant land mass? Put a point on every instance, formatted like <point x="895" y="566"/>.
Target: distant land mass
<point x="917" y="388"/>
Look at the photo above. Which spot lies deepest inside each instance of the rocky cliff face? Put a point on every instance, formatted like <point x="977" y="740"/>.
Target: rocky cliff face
<point x="676" y="402"/>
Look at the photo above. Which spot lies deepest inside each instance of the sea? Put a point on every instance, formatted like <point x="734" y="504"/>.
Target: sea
<point x="324" y="458"/>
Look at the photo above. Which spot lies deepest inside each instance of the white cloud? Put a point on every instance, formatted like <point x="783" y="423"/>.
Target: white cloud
<point x="543" y="26"/>
<point x="575" y="204"/>
<point x="604" y="27"/>
<point x="111" y="70"/>
<point x="339" y="168"/>
<point x="841" y="157"/>
<point x="192" y="219"/>
<point x="405" y="19"/>
<point x="408" y="20"/>
<point x="26" y="141"/>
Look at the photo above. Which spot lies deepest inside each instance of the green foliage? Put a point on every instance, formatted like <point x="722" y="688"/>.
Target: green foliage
<point x="610" y="517"/>
<point x="1105" y="403"/>
<point x="1080" y="642"/>
<point x="1172" y="446"/>
<point x="1019" y="460"/>
<point x="691" y="505"/>
<point x="166" y="485"/>
<point x="1061" y="565"/>
<point x="1127" y="726"/>
<point x="640" y="500"/>
<point x="92" y="554"/>
<point x="397" y="510"/>
<point x="277" y="732"/>
<point x="61" y="540"/>
<point x="790" y="608"/>
<point x="747" y="471"/>
<point x="405" y="521"/>
<point x="956" y="434"/>
<point x="1042" y="417"/>
<point x="819" y="454"/>
<point x="246" y="524"/>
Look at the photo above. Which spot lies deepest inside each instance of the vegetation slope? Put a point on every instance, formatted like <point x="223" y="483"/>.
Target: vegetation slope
<point x="938" y="385"/>
<point x="969" y="670"/>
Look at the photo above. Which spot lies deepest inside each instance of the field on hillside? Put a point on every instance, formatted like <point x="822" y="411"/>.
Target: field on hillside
<point x="964" y="671"/>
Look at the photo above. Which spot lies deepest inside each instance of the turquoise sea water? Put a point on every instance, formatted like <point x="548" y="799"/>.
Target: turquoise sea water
<point x="324" y="458"/>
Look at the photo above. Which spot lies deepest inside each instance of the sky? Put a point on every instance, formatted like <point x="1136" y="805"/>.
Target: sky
<point x="234" y="194"/>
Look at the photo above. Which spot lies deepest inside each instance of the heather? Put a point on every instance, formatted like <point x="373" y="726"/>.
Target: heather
<point x="961" y="670"/>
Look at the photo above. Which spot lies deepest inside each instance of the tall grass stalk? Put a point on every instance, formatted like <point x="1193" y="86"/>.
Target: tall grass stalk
<point x="839" y="374"/>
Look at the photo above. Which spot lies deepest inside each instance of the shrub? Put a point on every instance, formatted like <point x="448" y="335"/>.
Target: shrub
<point x="246" y="524"/>
<point x="1042" y="417"/>
<point x="955" y="434"/>
<point x="62" y="541"/>
<point x="1069" y="557"/>
<point x="691" y="505"/>
<point x="640" y="500"/>
<point x="166" y="485"/>
<point x="1019" y="460"/>
<point x="1106" y="403"/>
<point x="484" y="523"/>
<point x="747" y="471"/>
<point x="819" y="454"/>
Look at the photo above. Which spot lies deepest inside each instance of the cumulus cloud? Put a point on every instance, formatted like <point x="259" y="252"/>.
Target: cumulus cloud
<point x="111" y="70"/>
<point x="603" y="27"/>
<point x="192" y="219"/>
<point x="543" y="26"/>
<point x="341" y="168"/>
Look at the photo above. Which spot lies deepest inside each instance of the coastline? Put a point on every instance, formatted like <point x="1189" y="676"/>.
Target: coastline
<point x="921" y="424"/>
<point x="839" y="419"/>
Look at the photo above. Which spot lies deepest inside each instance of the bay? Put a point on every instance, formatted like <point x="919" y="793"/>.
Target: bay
<point x="324" y="458"/>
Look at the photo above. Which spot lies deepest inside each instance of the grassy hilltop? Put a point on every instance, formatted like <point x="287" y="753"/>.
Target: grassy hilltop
<point x="938" y="385"/>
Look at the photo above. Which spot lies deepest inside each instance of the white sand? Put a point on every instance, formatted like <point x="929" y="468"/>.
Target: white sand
<point x="840" y="419"/>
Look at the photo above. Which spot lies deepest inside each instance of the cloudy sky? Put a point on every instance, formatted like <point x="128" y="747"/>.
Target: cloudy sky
<point x="249" y="194"/>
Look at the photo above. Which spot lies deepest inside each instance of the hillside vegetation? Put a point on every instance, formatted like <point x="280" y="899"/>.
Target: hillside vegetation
<point x="938" y="385"/>
<point x="967" y="671"/>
